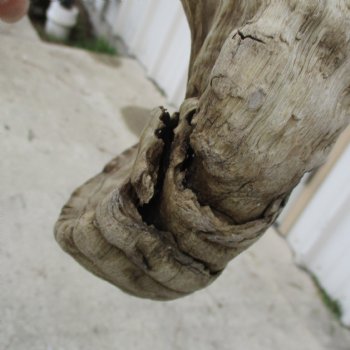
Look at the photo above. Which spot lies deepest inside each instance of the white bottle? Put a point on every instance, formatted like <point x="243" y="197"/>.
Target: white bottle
<point x="60" y="20"/>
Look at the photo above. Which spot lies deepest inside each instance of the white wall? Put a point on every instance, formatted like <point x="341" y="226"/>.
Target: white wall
<point x="321" y="236"/>
<point x="157" y="34"/>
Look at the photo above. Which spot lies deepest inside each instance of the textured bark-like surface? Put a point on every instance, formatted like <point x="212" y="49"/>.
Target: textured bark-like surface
<point x="268" y="95"/>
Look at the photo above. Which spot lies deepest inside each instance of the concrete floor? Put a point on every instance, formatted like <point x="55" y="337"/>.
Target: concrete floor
<point x="63" y="114"/>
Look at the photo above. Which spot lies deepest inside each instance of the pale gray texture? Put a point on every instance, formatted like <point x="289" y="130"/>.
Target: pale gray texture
<point x="52" y="136"/>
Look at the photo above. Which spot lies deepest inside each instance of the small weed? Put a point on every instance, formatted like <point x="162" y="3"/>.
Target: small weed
<point x="98" y="45"/>
<point x="83" y="37"/>
<point x="331" y="304"/>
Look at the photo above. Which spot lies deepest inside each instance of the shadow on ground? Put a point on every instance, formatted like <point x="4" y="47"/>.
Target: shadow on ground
<point x="136" y="118"/>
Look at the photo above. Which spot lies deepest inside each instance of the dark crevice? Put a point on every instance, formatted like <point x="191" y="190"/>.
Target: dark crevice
<point x="243" y="37"/>
<point x="186" y="164"/>
<point x="190" y="116"/>
<point x="145" y="263"/>
<point x="188" y="159"/>
<point x="150" y="211"/>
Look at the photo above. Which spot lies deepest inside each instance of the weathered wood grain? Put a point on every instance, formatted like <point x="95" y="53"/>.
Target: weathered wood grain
<point x="268" y="95"/>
